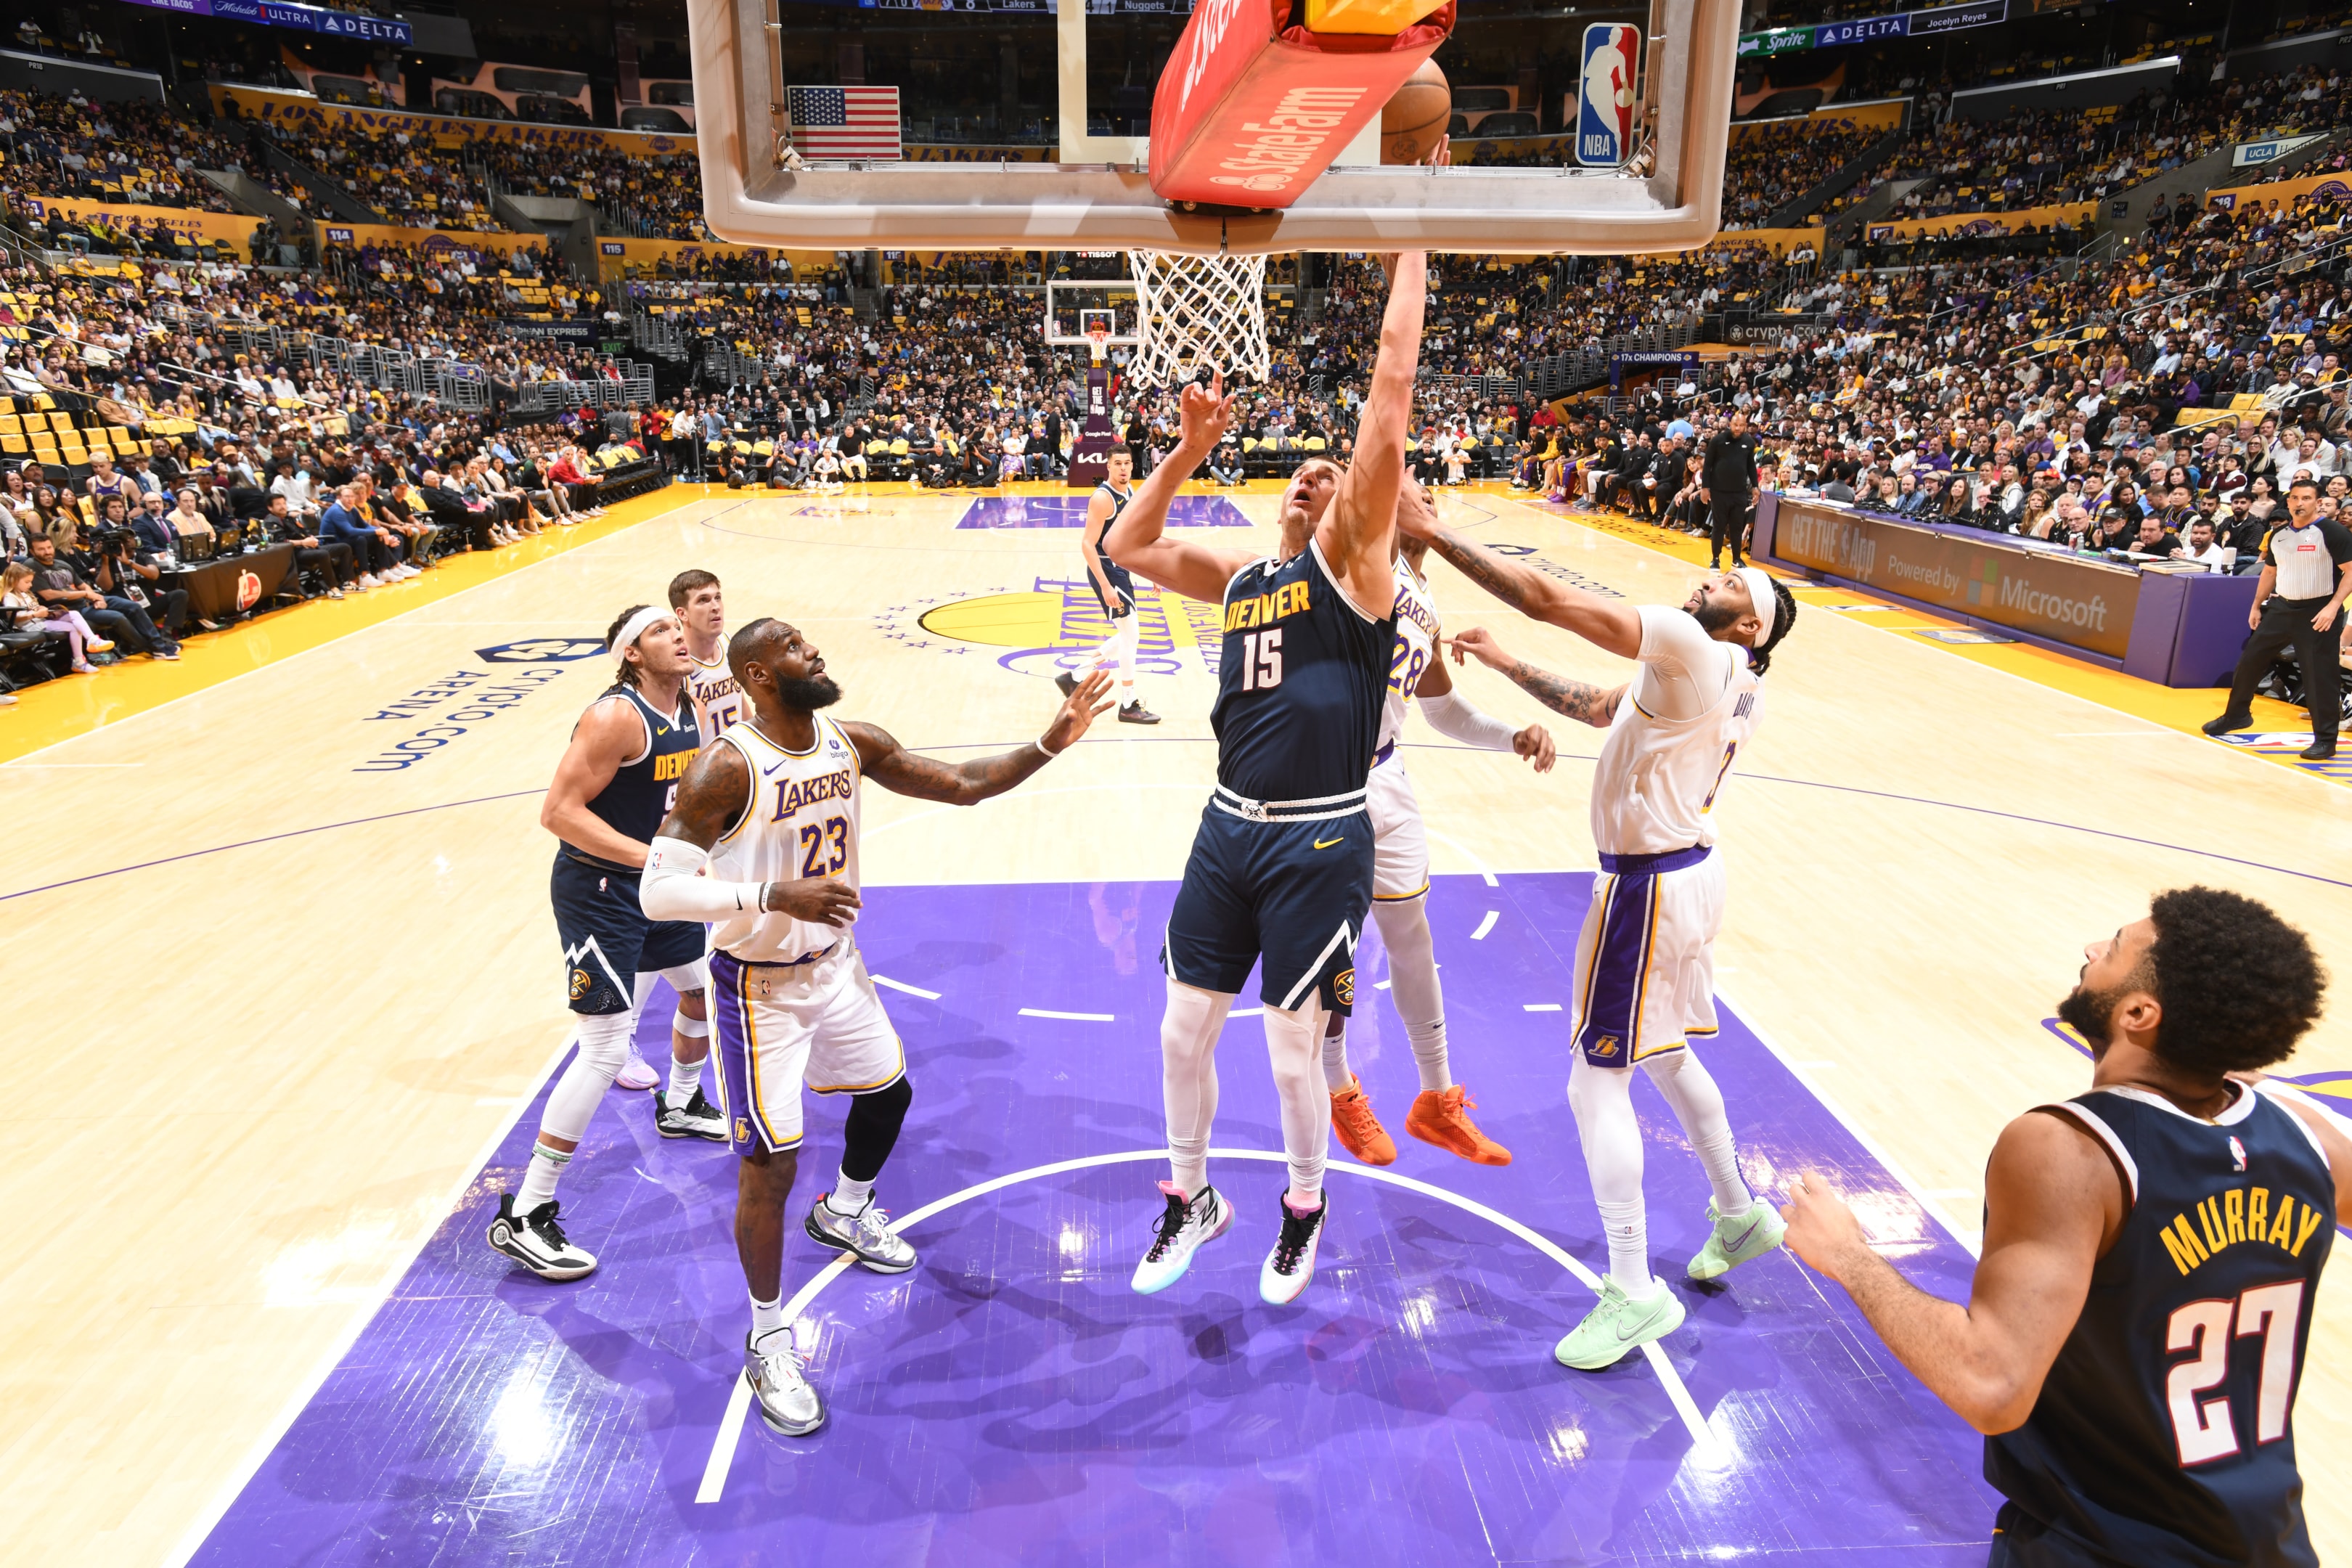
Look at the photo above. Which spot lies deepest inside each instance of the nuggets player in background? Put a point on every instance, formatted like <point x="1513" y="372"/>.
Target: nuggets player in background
<point x="1114" y="589"/>
<point x="1281" y="866"/>
<point x="763" y="843"/>
<point x="696" y="599"/>
<point x="1644" y="980"/>
<point x="2152" y="1251"/>
<point x="1440" y="1113"/>
<point x="617" y="777"/>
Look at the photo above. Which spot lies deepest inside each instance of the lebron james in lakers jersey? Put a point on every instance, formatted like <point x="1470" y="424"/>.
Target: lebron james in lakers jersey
<point x="1281" y="869"/>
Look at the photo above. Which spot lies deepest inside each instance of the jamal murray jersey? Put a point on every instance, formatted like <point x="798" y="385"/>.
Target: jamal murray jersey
<point x="1300" y="683"/>
<point x="2163" y="1435"/>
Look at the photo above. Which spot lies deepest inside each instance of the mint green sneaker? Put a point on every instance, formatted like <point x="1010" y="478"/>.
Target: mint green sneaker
<point x="1735" y="1241"/>
<point x="1620" y="1324"/>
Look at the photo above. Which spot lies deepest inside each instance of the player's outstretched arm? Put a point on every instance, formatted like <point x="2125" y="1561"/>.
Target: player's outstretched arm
<point x="1138" y="541"/>
<point x="2052" y="1203"/>
<point x="607" y="735"/>
<point x="1576" y="700"/>
<point x="1453" y="715"/>
<point x="1359" y="529"/>
<point x="1611" y="625"/>
<point x="903" y="772"/>
<point x="714" y="796"/>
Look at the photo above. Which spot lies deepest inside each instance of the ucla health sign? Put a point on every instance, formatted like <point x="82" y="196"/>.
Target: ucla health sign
<point x="300" y="18"/>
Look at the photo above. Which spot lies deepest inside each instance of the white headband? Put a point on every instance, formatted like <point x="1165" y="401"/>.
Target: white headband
<point x="634" y="628"/>
<point x="1759" y="593"/>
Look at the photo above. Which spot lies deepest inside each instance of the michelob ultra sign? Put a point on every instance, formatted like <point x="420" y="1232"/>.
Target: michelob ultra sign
<point x="1604" y="95"/>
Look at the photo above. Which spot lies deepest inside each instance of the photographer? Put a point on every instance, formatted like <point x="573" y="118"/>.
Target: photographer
<point x="60" y="583"/>
<point x="333" y="561"/>
<point x="132" y="578"/>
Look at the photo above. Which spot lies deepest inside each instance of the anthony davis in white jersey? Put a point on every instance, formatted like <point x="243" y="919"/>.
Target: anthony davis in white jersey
<point x="1644" y="979"/>
<point x="763" y="844"/>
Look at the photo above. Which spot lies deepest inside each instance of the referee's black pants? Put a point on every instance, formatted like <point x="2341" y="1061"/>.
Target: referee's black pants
<point x="2287" y="622"/>
<point x="1727" y="524"/>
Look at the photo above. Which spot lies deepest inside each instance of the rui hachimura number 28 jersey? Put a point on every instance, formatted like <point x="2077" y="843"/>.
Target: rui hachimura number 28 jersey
<point x="1409" y="655"/>
<point x="801" y="822"/>
<point x="2162" y="1434"/>
<point x="1300" y="683"/>
<point x="717" y="700"/>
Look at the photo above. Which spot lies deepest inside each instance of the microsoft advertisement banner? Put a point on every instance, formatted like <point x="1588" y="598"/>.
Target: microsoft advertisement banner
<point x="2083" y="603"/>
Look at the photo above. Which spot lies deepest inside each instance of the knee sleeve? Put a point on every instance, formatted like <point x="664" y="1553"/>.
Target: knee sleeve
<point x="1603" y="1102"/>
<point x="1294" y="1042"/>
<point x="1188" y="1066"/>
<point x="683" y="978"/>
<point x="604" y="1050"/>
<point x="872" y="1130"/>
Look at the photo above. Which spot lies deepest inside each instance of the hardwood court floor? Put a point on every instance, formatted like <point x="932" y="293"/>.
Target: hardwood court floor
<point x="296" y="927"/>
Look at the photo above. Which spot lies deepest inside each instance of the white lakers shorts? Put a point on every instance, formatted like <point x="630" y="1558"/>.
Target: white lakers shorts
<point x="1645" y="960"/>
<point x="782" y="1027"/>
<point x="1400" y="842"/>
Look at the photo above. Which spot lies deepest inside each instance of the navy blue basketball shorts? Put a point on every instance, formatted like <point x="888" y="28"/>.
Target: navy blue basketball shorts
<point x="607" y="940"/>
<point x="1121" y="580"/>
<point x="1294" y="893"/>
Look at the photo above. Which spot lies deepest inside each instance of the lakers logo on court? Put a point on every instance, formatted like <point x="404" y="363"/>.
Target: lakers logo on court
<point x="1059" y="620"/>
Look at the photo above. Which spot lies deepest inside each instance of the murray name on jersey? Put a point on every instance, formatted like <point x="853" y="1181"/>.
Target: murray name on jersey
<point x="2239" y="1215"/>
<point x="1301" y="682"/>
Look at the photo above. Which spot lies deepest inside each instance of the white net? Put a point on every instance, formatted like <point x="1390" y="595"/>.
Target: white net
<point x="1199" y="312"/>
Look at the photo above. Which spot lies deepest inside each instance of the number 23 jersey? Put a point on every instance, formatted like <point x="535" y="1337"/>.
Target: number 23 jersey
<point x="800" y="822"/>
<point x="1301" y="681"/>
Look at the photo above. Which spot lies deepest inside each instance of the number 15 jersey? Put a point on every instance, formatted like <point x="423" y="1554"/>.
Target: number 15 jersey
<point x="1301" y="679"/>
<point x="801" y="822"/>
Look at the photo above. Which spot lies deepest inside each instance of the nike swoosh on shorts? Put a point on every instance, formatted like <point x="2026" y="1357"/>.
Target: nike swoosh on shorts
<point x="1327" y="843"/>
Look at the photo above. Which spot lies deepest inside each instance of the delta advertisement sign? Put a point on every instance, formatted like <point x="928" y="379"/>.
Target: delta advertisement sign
<point x="1867" y="29"/>
<point x="2082" y="604"/>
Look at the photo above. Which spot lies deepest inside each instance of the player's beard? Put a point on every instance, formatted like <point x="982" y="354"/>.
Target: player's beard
<point x="809" y="695"/>
<point x="1713" y="619"/>
<point x="2092" y="1015"/>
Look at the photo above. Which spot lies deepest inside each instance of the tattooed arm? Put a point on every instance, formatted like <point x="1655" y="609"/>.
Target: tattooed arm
<point x="1611" y="625"/>
<point x="903" y="772"/>
<point x="1570" y="699"/>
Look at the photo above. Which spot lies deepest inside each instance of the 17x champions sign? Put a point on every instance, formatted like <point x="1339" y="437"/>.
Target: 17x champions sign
<point x="1604" y="95"/>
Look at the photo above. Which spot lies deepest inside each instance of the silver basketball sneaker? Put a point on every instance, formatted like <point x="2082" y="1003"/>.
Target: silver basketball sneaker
<point x="789" y="1402"/>
<point x="866" y="1236"/>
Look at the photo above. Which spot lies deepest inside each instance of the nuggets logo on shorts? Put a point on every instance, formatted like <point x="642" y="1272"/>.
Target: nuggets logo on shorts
<point x="581" y="981"/>
<point x="1343" y="986"/>
<point x="1606" y="1045"/>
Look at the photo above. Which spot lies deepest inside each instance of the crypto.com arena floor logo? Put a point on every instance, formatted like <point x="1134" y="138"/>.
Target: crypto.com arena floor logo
<point x="1054" y="625"/>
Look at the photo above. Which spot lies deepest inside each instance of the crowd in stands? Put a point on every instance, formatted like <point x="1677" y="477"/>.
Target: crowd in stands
<point x="1773" y="165"/>
<point x="137" y="153"/>
<point x="408" y="180"/>
<point x="656" y="197"/>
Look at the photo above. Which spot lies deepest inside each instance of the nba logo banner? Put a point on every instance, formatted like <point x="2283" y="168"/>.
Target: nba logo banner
<point x="1604" y="96"/>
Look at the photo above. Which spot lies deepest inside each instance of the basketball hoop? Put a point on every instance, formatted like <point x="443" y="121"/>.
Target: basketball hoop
<point x="1199" y="312"/>
<point x="1099" y="340"/>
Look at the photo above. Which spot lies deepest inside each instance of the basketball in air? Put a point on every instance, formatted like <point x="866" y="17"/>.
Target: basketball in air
<point x="1416" y="118"/>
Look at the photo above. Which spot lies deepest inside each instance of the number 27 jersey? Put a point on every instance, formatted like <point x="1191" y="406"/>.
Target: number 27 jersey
<point x="800" y="822"/>
<point x="1301" y="681"/>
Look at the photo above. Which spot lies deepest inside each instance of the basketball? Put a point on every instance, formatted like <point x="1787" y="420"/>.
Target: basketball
<point x="1414" y="121"/>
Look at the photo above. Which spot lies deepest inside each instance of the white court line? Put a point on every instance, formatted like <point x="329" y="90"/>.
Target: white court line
<point x="1485" y="925"/>
<point x="73" y="764"/>
<point x="1538" y="1007"/>
<point x="1071" y="1017"/>
<point x="902" y="985"/>
<point x="1253" y="1012"/>
<point x="1456" y="845"/>
<point x="1704" y="1442"/>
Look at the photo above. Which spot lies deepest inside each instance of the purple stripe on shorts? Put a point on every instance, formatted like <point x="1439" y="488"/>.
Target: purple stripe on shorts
<point x="1612" y="1002"/>
<point x="731" y="1017"/>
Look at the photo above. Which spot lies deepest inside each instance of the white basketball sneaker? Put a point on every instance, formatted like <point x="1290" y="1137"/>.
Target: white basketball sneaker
<point x="697" y="1117"/>
<point x="1290" y="1266"/>
<point x="536" y="1241"/>
<point x="1185" y="1227"/>
<point x="789" y="1402"/>
<point x="866" y="1236"/>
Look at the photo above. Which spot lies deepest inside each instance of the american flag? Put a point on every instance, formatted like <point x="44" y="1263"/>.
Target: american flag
<point x="845" y="121"/>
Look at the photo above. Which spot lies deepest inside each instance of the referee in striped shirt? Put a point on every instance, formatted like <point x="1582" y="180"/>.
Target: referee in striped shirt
<point x="2307" y="572"/>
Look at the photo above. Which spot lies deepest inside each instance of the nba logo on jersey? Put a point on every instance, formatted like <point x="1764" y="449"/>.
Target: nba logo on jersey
<point x="1604" y="95"/>
<point x="2236" y="1155"/>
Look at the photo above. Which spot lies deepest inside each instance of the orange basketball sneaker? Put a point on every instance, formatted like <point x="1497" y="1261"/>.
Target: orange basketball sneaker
<point x="1444" y="1118"/>
<point x="1359" y="1131"/>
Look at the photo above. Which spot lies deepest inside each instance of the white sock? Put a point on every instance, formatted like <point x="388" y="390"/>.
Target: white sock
<point x="539" y="1176"/>
<point x="1123" y="638"/>
<point x="1293" y="1043"/>
<point x="1602" y="1099"/>
<point x="849" y="1196"/>
<point x="1337" y="1076"/>
<point x="1188" y="1079"/>
<point x="766" y="1317"/>
<point x="685" y="1077"/>
<point x="1691" y="1089"/>
<point x="1412" y="985"/>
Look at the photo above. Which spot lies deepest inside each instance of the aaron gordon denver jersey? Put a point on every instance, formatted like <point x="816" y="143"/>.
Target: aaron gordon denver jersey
<point x="1672" y="743"/>
<point x="802" y="821"/>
